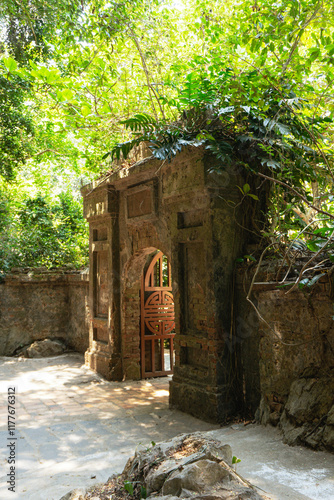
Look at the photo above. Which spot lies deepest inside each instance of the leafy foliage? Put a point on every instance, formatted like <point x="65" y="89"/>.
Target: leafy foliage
<point x="250" y="82"/>
<point x="16" y="127"/>
<point x="29" y="24"/>
<point x="37" y="232"/>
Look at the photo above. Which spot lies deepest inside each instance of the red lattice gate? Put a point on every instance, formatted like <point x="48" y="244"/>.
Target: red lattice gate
<point x="157" y="319"/>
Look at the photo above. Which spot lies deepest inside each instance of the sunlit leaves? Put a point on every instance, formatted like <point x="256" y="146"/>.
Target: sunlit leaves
<point x="9" y="63"/>
<point x="250" y="80"/>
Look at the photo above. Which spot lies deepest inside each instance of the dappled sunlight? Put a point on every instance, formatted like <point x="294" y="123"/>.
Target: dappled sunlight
<point x="73" y="438"/>
<point x="25" y="464"/>
<point x="161" y="393"/>
<point x="72" y="423"/>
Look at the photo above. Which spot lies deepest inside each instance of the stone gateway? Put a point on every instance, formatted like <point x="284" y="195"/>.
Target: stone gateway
<point x="187" y="211"/>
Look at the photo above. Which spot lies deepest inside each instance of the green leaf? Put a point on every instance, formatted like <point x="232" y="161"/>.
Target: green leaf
<point x="250" y="257"/>
<point x="284" y="129"/>
<point x="315" y="52"/>
<point x="272" y="163"/>
<point x="312" y="246"/>
<point x="140" y="121"/>
<point x="143" y="492"/>
<point x="10" y="63"/>
<point x="303" y="282"/>
<point x="235" y="460"/>
<point x="65" y="95"/>
<point x="246" y="188"/>
<point x="128" y="486"/>
<point x="85" y="110"/>
<point x="253" y="196"/>
<point x="34" y="73"/>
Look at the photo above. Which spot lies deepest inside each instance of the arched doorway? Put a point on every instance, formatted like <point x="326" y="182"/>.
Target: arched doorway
<point x="157" y="319"/>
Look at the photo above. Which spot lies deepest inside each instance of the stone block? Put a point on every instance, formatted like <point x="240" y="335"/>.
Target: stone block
<point x="195" y="477"/>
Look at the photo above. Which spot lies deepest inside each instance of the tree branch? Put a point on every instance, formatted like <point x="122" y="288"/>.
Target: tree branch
<point x="297" y="40"/>
<point x="49" y="151"/>
<point x="150" y="87"/>
<point x="305" y="200"/>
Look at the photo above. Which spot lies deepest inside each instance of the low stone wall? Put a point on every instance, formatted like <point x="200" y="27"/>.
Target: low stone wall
<point x="36" y="305"/>
<point x="291" y="360"/>
<point x="287" y="364"/>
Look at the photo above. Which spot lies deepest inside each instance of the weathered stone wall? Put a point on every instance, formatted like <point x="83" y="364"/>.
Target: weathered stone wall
<point x="39" y="305"/>
<point x="294" y="362"/>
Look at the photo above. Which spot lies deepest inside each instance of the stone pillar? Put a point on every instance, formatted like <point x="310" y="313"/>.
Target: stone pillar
<point x="207" y="379"/>
<point x="104" y="353"/>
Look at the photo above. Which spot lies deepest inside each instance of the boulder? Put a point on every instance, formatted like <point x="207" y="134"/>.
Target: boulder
<point x="77" y="494"/>
<point x="43" y="349"/>
<point x="195" y="477"/>
<point x="164" y="497"/>
<point x="328" y="435"/>
<point x="309" y="399"/>
<point x="188" y="466"/>
<point x="308" y="411"/>
<point x="230" y="494"/>
<point x="210" y="450"/>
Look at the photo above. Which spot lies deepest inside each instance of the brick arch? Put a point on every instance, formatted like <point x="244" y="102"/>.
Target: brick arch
<point x="131" y="279"/>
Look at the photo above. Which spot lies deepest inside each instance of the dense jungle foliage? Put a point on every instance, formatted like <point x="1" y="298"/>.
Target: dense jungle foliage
<point x="84" y="82"/>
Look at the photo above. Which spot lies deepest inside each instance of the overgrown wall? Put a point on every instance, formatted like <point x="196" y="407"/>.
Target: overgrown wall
<point x="289" y="365"/>
<point x="39" y="305"/>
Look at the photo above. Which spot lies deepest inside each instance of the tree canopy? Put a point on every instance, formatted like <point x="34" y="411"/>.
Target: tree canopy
<point x="82" y="83"/>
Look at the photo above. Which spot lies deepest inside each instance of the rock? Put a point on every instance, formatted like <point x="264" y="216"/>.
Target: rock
<point x="305" y="414"/>
<point x="43" y="349"/>
<point x="77" y="494"/>
<point x="263" y="412"/>
<point x="230" y="494"/>
<point x="164" y="497"/>
<point x="209" y="450"/>
<point x="328" y="435"/>
<point x="219" y="453"/>
<point x="195" y="477"/>
<point x="313" y="436"/>
<point x="188" y="466"/>
<point x="208" y="496"/>
<point x="156" y="477"/>
<point x="309" y="399"/>
<point x="292" y="435"/>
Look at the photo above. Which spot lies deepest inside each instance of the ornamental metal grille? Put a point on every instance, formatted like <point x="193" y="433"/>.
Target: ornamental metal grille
<point x="157" y="319"/>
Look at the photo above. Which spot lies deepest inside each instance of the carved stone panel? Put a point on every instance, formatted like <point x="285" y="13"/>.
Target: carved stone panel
<point x="101" y="297"/>
<point x="194" y="286"/>
<point x="192" y="218"/>
<point x="139" y="203"/>
<point x="100" y="334"/>
<point x="100" y="203"/>
<point x="100" y="234"/>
